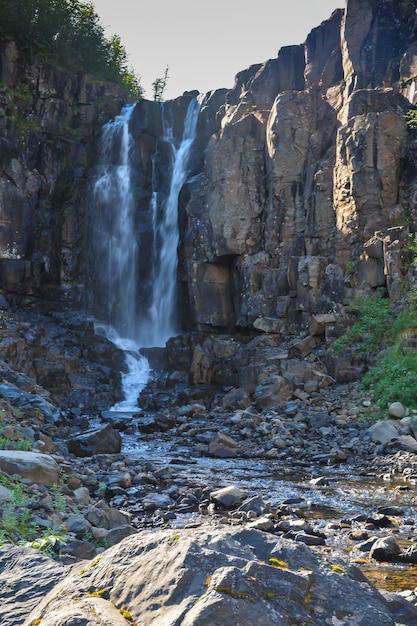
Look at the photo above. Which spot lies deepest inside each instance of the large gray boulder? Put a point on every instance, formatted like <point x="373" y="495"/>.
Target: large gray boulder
<point x="194" y="577"/>
<point x="34" y="466"/>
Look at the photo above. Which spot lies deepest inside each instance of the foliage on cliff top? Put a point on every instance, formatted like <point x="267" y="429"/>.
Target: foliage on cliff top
<point x="67" y="33"/>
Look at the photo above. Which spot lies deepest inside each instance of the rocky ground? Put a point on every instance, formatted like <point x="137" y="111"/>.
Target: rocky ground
<point x="78" y="479"/>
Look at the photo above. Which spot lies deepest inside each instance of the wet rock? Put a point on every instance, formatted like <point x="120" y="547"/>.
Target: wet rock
<point x="380" y="520"/>
<point x="155" y="501"/>
<point x="222" y="446"/>
<point x="256" y="504"/>
<point x="123" y="479"/>
<point x="409" y="555"/>
<point x="366" y="545"/>
<point x="262" y="523"/>
<point x="157" y="422"/>
<point x="310" y="540"/>
<point x="295" y="526"/>
<point x="390" y="510"/>
<point x="105" y="440"/>
<point x="385" y="549"/>
<point x="320" y="481"/>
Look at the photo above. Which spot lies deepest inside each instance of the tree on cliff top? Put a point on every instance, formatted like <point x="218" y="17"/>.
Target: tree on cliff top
<point x="67" y="33"/>
<point x="159" y="86"/>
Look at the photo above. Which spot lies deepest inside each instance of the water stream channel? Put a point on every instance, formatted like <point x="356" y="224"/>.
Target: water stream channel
<point x="336" y="500"/>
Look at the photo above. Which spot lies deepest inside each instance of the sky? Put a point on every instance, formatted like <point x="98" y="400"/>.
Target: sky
<point x="204" y="45"/>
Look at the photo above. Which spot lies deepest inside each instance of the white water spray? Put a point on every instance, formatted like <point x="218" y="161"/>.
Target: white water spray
<point x="117" y="248"/>
<point x="160" y="322"/>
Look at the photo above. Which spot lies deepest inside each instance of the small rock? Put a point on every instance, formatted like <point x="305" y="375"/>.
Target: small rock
<point x="156" y="501"/>
<point x="222" y="446"/>
<point x="228" y="497"/>
<point x="115" y="535"/>
<point x="385" y="549"/>
<point x="262" y="523"/>
<point x="396" y="409"/>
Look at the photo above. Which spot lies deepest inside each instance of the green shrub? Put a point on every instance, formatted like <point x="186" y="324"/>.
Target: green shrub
<point x="368" y="332"/>
<point x="380" y="337"/>
<point x="393" y="379"/>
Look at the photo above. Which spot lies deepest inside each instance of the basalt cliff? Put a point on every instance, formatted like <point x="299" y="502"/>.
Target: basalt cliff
<point x="301" y="193"/>
<point x="302" y="187"/>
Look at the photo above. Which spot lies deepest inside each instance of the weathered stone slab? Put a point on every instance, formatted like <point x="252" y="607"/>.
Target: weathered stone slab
<point x="37" y="467"/>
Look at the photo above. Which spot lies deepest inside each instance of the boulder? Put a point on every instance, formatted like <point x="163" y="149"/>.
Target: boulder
<point x="36" y="467"/>
<point x="105" y="440"/>
<point x="396" y="409"/>
<point x="197" y="577"/>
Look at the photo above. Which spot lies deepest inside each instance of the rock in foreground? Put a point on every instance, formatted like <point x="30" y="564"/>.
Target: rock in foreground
<point x="195" y="577"/>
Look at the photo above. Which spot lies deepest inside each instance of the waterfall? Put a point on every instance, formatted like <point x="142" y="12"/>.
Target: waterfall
<point x="129" y="319"/>
<point x="160" y="322"/>
<point x="115" y="247"/>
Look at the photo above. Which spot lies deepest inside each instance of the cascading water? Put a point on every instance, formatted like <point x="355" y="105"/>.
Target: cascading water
<point x="115" y="249"/>
<point x="160" y="322"/>
<point x="129" y="321"/>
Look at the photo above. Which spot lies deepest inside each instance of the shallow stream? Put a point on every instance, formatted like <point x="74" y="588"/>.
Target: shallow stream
<point x="341" y="499"/>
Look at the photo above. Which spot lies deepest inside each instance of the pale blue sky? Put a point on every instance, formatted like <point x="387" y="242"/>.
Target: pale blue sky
<point x="206" y="44"/>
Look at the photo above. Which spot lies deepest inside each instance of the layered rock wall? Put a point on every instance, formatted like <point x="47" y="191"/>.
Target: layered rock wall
<point x="307" y="166"/>
<point x="294" y="175"/>
<point x="48" y="124"/>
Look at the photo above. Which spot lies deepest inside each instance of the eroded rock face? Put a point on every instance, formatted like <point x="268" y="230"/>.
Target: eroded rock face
<point x="291" y="175"/>
<point x="306" y="167"/>
<point x="48" y="124"/>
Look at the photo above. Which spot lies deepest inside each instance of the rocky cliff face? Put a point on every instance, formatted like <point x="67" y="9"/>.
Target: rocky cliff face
<point x="48" y="124"/>
<point x="302" y="189"/>
<point x="307" y="186"/>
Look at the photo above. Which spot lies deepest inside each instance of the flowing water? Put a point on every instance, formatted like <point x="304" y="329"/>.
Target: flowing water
<point x="339" y="504"/>
<point x="119" y="253"/>
<point x="160" y="323"/>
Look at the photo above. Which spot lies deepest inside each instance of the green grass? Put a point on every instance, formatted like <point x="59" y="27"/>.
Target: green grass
<point x="8" y="444"/>
<point x="393" y="379"/>
<point x="15" y="520"/>
<point x="379" y="336"/>
<point x="10" y="414"/>
<point x="17" y="525"/>
<point x="369" y="331"/>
